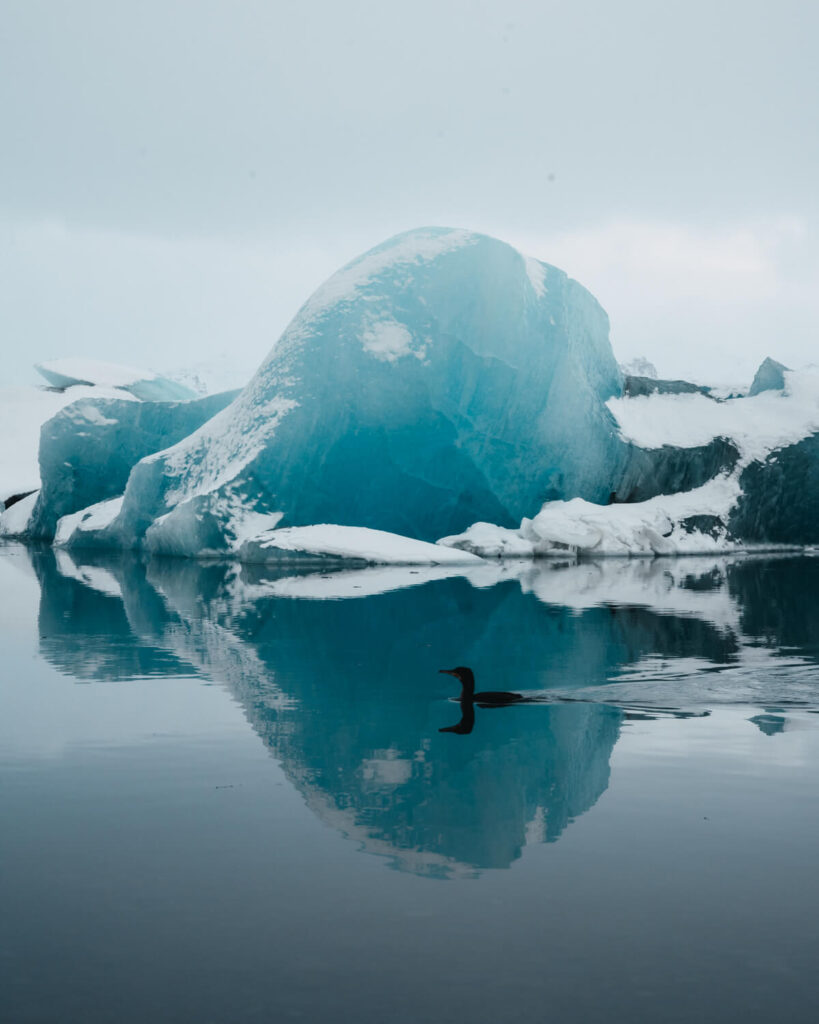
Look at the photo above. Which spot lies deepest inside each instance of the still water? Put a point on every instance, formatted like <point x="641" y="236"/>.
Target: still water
<point x="224" y="795"/>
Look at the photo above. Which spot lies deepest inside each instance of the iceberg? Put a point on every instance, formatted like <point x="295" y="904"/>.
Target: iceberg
<point x="88" y="449"/>
<point x="769" y="377"/>
<point x="692" y="522"/>
<point x="24" y="410"/>
<point x="440" y="379"/>
<point x="701" y="476"/>
<point x="441" y="387"/>
<point x="62" y="374"/>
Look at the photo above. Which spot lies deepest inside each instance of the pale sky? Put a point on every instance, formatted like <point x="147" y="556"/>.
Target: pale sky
<point x="177" y="177"/>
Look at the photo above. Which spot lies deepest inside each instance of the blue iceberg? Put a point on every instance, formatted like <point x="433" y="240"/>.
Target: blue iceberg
<point x="769" y="377"/>
<point x="89" y="448"/>
<point x="442" y="386"/>
<point x="439" y="379"/>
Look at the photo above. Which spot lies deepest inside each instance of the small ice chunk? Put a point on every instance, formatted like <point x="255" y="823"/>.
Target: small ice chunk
<point x="352" y="544"/>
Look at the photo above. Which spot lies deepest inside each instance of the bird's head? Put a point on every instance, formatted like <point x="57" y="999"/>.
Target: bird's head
<point x="466" y="677"/>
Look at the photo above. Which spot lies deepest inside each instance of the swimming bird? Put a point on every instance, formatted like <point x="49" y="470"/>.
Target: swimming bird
<point x="485" y="698"/>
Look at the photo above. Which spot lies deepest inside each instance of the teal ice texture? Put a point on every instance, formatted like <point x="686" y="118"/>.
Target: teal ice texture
<point x="439" y="379"/>
<point x="89" y="448"/>
<point x="769" y="377"/>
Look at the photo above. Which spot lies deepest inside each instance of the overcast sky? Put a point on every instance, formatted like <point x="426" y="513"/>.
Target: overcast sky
<point x="177" y="177"/>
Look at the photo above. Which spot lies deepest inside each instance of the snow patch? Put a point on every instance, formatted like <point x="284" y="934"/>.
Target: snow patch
<point x="389" y="341"/>
<point x="653" y="527"/>
<point x="95" y="517"/>
<point x="14" y="521"/>
<point x="376" y="547"/>
<point x="758" y="424"/>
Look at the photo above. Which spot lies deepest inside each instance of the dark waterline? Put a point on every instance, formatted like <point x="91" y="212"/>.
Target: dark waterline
<point x="638" y="843"/>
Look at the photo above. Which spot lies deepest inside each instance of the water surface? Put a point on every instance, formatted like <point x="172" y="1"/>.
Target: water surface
<point x="225" y="795"/>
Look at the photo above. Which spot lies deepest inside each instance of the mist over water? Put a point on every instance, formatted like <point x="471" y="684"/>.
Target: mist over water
<point x="242" y="769"/>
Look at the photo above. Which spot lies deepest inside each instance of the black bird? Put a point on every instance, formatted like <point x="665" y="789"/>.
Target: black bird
<point x="486" y="698"/>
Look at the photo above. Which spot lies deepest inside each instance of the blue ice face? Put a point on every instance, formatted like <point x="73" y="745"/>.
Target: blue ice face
<point x="769" y="377"/>
<point x="440" y="379"/>
<point x="89" y="448"/>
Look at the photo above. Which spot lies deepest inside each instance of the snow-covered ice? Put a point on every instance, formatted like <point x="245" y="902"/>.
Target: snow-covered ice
<point x="758" y="424"/>
<point x="442" y="385"/>
<point x="438" y="379"/>
<point x="699" y="520"/>
<point x="89" y="448"/>
<point x="94" y="518"/>
<point x="23" y="411"/>
<point x="328" y="543"/>
<point x="142" y="384"/>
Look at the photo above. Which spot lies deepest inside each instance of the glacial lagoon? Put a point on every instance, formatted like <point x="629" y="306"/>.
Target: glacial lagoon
<point x="226" y="797"/>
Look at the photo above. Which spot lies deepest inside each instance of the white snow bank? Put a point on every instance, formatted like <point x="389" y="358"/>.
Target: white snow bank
<point x="325" y="541"/>
<point x="95" y="517"/>
<point x="652" y="527"/>
<point x="14" y="520"/>
<point x="490" y="541"/>
<point x="758" y="424"/>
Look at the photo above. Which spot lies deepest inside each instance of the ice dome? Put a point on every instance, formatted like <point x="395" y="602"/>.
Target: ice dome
<point x="439" y="379"/>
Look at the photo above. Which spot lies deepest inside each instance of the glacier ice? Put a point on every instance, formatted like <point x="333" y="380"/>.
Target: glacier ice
<point x="442" y="385"/>
<point x="142" y="384"/>
<point x="439" y="379"/>
<point x="737" y="473"/>
<point x="24" y="409"/>
<point x="332" y="545"/>
<point x="88" y="449"/>
<point x="769" y="377"/>
<point x="692" y="522"/>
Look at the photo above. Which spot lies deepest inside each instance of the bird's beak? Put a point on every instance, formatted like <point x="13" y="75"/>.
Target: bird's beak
<point x="449" y="672"/>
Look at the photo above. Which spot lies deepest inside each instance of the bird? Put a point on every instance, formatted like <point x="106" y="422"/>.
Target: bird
<point x="485" y="698"/>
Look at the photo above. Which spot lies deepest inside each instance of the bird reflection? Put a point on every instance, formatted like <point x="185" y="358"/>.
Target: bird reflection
<point x="467" y="722"/>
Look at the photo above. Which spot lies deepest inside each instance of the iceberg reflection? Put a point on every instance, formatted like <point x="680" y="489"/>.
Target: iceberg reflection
<point x="347" y="696"/>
